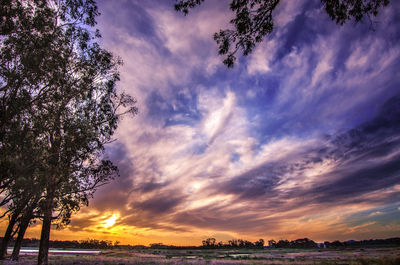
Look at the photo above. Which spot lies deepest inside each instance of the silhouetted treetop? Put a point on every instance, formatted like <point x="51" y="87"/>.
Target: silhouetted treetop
<point x="343" y="10"/>
<point x="253" y="21"/>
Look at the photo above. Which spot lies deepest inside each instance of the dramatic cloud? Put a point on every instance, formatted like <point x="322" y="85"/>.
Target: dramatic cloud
<point x="300" y="139"/>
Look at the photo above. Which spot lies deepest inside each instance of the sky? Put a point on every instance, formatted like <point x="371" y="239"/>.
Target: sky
<point x="300" y="139"/>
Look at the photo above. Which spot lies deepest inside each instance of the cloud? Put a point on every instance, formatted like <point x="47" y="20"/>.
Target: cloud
<point x="314" y="184"/>
<point x="296" y="140"/>
<point x="115" y="194"/>
<point x="217" y="120"/>
<point x="158" y="204"/>
<point x="375" y="213"/>
<point x="259" y="62"/>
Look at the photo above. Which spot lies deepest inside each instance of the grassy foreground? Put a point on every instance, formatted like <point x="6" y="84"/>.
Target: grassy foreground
<point x="384" y="256"/>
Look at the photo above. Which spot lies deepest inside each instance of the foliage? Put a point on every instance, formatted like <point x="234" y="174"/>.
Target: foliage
<point x="298" y="243"/>
<point x="58" y="107"/>
<point x="254" y="20"/>
<point x="343" y="10"/>
<point x="81" y="244"/>
<point x="234" y="243"/>
<point x="308" y="243"/>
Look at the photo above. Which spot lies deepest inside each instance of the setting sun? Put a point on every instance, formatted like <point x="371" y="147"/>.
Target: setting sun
<point x="111" y="221"/>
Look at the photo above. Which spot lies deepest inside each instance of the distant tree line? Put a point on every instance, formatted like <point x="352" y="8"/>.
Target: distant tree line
<point x="308" y="243"/>
<point x="234" y="243"/>
<point x="81" y="244"/>
<point x="370" y="242"/>
<point x="211" y="243"/>
<point x="298" y="243"/>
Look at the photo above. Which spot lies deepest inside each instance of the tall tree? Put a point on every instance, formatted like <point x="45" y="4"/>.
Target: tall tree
<point x="22" y="152"/>
<point x="254" y="20"/>
<point x="59" y="84"/>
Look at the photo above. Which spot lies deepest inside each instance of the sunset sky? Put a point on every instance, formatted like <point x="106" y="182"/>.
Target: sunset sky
<point x="299" y="139"/>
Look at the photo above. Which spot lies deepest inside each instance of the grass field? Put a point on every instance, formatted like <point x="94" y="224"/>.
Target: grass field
<point x="384" y="256"/>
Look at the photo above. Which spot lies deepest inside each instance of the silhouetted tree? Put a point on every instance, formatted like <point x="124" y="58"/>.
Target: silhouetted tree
<point x="233" y="243"/>
<point x="303" y="243"/>
<point x="343" y="10"/>
<point x="283" y="244"/>
<point x="272" y="243"/>
<point x="57" y="84"/>
<point x="23" y="193"/>
<point x="209" y="243"/>
<point x="259" y="243"/>
<point x="336" y="243"/>
<point x="254" y="20"/>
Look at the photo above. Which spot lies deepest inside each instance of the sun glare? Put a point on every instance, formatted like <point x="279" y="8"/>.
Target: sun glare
<point x="111" y="221"/>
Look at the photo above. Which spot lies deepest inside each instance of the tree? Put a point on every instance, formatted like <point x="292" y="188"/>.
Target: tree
<point x="282" y="244"/>
<point x="272" y="243"/>
<point x="25" y="220"/>
<point x="343" y="10"/>
<point x="58" y="85"/>
<point x="259" y="243"/>
<point x="23" y="192"/>
<point x="209" y="243"/>
<point x="254" y="20"/>
<point x="303" y="243"/>
<point x="233" y="243"/>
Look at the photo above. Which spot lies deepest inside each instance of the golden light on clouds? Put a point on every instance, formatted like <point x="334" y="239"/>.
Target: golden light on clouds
<point x="111" y="221"/>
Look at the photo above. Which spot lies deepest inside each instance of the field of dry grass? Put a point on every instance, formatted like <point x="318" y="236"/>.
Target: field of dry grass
<point x="383" y="256"/>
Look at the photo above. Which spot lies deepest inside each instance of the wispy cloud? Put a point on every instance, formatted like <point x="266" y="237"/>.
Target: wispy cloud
<point x="295" y="141"/>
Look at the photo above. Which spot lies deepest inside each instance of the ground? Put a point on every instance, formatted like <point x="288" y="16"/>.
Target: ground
<point x="362" y="256"/>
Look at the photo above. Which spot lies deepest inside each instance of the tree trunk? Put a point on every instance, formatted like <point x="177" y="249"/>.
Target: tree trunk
<point x="22" y="229"/>
<point x="9" y="232"/>
<point x="7" y="236"/>
<point x="45" y="234"/>
<point x="26" y="218"/>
